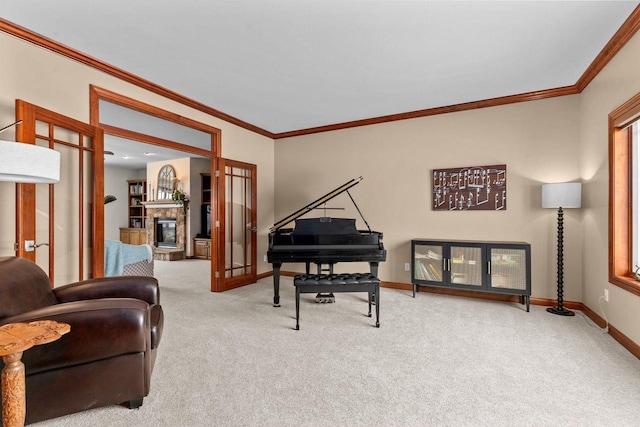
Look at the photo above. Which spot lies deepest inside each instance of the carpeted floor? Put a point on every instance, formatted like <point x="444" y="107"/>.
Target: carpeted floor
<point x="232" y="359"/>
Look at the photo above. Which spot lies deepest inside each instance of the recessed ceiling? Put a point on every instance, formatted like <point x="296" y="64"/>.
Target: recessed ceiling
<point x="291" y="65"/>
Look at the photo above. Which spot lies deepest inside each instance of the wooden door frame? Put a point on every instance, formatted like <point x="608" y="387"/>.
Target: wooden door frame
<point x="96" y="94"/>
<point x="25" y="193"/>
<point x="221" y="283"/>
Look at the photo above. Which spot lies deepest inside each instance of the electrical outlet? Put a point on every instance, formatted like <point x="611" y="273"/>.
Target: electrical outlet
<point x="265" y="258"/>
<point x="606" y="295"/>
<point x="407" y="266"/>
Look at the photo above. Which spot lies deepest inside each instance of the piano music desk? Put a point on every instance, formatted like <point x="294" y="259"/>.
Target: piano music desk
<point x="326" y="283"/>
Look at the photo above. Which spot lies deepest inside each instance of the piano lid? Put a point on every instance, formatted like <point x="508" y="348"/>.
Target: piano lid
<point x="330" y="195"/>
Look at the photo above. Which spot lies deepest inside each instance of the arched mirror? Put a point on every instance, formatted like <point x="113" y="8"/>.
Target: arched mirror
<point x="166" y="177"/>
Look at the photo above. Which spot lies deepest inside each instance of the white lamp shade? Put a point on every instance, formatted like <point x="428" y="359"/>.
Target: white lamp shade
<point x="28" y="163"/>
<point x="562" y="195"/>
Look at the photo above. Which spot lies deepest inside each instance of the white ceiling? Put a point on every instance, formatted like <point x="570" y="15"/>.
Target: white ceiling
<point x="285" y="65"/>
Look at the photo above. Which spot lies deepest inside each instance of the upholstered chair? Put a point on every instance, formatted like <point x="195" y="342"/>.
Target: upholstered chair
<point x="106" y="359"/>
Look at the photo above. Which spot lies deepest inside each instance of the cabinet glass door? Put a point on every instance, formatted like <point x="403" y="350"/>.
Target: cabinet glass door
<point x="428" y="263"/>
<point x="466" y="265"/>
<point x="508" y="268"/>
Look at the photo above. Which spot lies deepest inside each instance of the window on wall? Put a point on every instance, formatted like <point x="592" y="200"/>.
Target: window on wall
<point x="624" y="195"/>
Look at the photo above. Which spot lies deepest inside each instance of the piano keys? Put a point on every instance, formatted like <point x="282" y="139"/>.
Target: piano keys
<point x="322" y="241"/>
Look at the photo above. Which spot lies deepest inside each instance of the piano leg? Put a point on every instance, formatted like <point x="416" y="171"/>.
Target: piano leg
<point x="276" y="283"/>
<point x="373" y="269"/>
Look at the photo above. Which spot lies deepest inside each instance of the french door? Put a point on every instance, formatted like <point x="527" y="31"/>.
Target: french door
<point x="235" y="225"/>
<point x="61" y="226"/>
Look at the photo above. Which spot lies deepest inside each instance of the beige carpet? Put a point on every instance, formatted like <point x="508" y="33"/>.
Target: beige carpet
<point x="232" y="359"/>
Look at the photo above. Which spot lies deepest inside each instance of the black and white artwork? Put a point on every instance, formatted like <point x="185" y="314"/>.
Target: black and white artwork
<point x="470" y="188"/>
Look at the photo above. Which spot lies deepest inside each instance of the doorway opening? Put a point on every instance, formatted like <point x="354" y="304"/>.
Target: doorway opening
<point x="128" y="123"/>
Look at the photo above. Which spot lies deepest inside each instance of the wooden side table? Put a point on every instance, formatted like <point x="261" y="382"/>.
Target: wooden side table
<point x="15" y="338"/>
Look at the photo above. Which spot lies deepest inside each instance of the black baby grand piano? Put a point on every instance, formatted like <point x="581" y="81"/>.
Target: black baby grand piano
<point x="322" y="241"/>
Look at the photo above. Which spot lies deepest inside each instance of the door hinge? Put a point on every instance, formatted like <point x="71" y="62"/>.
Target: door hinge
<point x="217" y="224"/>
<point x="15" y="246"/>
<point x="216" y="275"/>
<point x="217" y="174"/>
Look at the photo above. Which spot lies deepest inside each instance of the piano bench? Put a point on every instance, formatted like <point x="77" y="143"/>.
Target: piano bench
<point x="327" y="283"/>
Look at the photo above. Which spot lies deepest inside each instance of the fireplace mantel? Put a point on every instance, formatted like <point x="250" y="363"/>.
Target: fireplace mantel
<point x="162" y="204"/>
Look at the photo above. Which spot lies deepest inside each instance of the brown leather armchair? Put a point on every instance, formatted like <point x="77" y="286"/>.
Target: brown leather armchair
<point x="107" y="358"/>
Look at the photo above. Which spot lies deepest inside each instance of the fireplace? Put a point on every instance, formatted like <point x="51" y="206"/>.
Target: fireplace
<point x="166" y="236"/>
<point x="166" y="230"/>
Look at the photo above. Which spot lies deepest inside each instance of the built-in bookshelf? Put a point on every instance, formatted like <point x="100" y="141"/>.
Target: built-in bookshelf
<point x="135" y="233"/>
<point x="137" y="195"/>
<point x="500" y="267"/>
<point x="202" y="241"/>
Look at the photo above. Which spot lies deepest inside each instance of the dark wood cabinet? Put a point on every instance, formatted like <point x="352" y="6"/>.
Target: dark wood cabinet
<point x="133" y="236"/>
<point x="500" y="267"/>
<point x="202" y="248"/>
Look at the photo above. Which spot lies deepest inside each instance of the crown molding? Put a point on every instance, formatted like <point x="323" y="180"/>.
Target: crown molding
<point x="503" y="100"/>
<point x="59" y="48"/>
<point x="619" y="39"/>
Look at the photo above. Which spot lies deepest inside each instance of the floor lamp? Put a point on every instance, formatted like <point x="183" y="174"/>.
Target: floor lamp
<point x="561" y="195"/>
<point x="28" y="163"/>
<point x="22" y="163"/>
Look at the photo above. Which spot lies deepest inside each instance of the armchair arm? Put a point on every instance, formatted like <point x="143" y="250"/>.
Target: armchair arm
<point x="100" y="329"/>
<point x="144" y="288"/>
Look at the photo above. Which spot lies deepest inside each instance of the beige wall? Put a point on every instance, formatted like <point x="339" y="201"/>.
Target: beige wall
<point x="538" y="141"/>
<point x="54" y="82"/>
<point x="553" y="140"/>
<point x="617" y="83"/>
<point x="559" y="139"/>
<point x="116" y="214"/>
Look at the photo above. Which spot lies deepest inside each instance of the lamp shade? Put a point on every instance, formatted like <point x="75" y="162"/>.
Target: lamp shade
<point x="562" y="195"/>
<point x="28" y="163"/>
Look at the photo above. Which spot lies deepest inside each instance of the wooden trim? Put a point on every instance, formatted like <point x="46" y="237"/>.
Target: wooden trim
<point x="626" y="113"/>
<point x="97" y="93"/>
<point x="620" y="198"/>
<point x="624" y="340"/>
<point x="39" y="40"/>
<point x="264" y="275"/>
<point x="593" y="316"/>
<point x="149" y="139"/>
<point x="620" y="38"/>
<point x="98" y="188"/>
<point x="25" y="193"/>
<point x="493" y="102"/>
<point x="396" y="285"/>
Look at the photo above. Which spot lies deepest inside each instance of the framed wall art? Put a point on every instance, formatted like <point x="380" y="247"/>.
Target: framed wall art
<point x="470" y="188"/>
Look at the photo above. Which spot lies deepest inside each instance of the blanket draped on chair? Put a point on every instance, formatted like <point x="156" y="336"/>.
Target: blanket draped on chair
<point x="117" y="255"/>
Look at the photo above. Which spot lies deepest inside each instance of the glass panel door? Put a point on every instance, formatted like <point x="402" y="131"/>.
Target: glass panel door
<point x="466" y="265"/>
<point x="508" y="268"/>
<point x="237" y="217"/>
<point x="428" y="263"/>
<point x="56" y="224"/>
